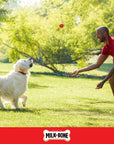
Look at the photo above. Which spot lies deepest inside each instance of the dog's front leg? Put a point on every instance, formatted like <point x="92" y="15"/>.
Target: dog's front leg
<point x="14" y="104"/>
<point x="1" y="104"/>
<point x="23" y="99"/>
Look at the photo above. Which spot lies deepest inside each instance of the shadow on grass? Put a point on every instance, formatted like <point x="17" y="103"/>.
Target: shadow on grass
<point x="83" y="111"/>
<point x="86" y="76"/>
<point x="34" y="85"/>
<point x="43" y="73"/>
<point x="105" y="68"/>
<point x="67" y="75"/>
<point x="22" y="110"/>
<point x="80" y="111"/>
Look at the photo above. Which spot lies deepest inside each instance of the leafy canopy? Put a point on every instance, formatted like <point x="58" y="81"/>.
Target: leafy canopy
<point x="35" y="31"/>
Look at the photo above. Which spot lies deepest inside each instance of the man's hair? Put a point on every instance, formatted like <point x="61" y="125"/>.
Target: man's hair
<point x="103" y="29"/>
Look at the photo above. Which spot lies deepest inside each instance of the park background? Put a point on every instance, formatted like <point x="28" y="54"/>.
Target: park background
<point x="31" y="29"/>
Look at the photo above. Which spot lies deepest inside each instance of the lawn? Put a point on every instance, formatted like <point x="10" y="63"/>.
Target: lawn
<point x="58" y="101"/>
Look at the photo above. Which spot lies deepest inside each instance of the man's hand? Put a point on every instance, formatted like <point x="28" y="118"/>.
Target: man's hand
<point x="75" y="73"/>
<point x="100" y="85"/>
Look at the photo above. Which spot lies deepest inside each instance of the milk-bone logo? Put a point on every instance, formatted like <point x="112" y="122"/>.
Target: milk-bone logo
<point x="57" y="135"/>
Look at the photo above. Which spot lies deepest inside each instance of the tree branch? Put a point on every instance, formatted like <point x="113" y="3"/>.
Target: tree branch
<point x="37" y="61"/>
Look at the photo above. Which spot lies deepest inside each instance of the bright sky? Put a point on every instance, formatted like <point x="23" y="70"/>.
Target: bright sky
<point x="28" y="2"/>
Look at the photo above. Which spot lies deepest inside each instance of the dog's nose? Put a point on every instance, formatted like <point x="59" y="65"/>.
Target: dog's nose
<point x="31" y="65"/>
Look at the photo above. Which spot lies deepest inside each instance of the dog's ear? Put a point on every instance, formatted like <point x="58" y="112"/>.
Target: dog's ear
<point x="20" y="66"/>
<point x="23" y="65"/>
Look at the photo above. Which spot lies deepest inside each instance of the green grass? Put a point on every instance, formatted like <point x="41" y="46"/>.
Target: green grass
<point x="55" y="101"/>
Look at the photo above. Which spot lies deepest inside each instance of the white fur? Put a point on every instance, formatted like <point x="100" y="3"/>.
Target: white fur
<point x="14" y="84"/>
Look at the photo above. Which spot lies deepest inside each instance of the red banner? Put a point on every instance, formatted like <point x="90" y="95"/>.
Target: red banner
<point x="56" y="135"/>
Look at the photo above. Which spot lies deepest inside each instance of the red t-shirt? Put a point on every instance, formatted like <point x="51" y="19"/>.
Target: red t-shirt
<point x="109" y="50"/>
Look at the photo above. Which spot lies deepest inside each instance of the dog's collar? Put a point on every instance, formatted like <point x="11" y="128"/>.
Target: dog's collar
<point x="22" y="72"/>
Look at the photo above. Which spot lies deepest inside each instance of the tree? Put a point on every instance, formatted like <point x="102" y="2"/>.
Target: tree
<point x="3" y="10"/>
<point x="3" y="15"/>
<point x="36" y="33"/>
<point x="30" y="37"/>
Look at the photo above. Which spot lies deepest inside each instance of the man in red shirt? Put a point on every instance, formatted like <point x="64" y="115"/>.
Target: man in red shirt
<point x="108" y="49"/>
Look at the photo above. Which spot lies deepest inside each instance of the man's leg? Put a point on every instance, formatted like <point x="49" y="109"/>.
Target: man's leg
<point x="111" y="81"/>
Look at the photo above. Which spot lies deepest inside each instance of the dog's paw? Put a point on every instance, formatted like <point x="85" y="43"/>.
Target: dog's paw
<point x="24" y="101"/>
<point x="23" y="104"/>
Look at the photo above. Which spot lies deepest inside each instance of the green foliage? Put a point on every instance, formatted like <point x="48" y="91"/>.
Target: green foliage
<point x="81" y="64"/>
<point x="3" y="15"/>
<point x="3" y="10"/>
<point x="35" y="32"/>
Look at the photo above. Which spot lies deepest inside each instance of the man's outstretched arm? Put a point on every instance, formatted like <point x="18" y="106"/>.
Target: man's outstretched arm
<point x="99" y="62"/>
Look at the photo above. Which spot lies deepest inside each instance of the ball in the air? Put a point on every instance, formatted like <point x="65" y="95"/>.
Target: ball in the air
<point x="61" y="25"/>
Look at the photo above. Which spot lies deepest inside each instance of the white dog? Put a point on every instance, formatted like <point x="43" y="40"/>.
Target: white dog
<point x="13" y="85"/>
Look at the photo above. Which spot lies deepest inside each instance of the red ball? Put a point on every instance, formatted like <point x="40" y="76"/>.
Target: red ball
<point x="61" y="25"/>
